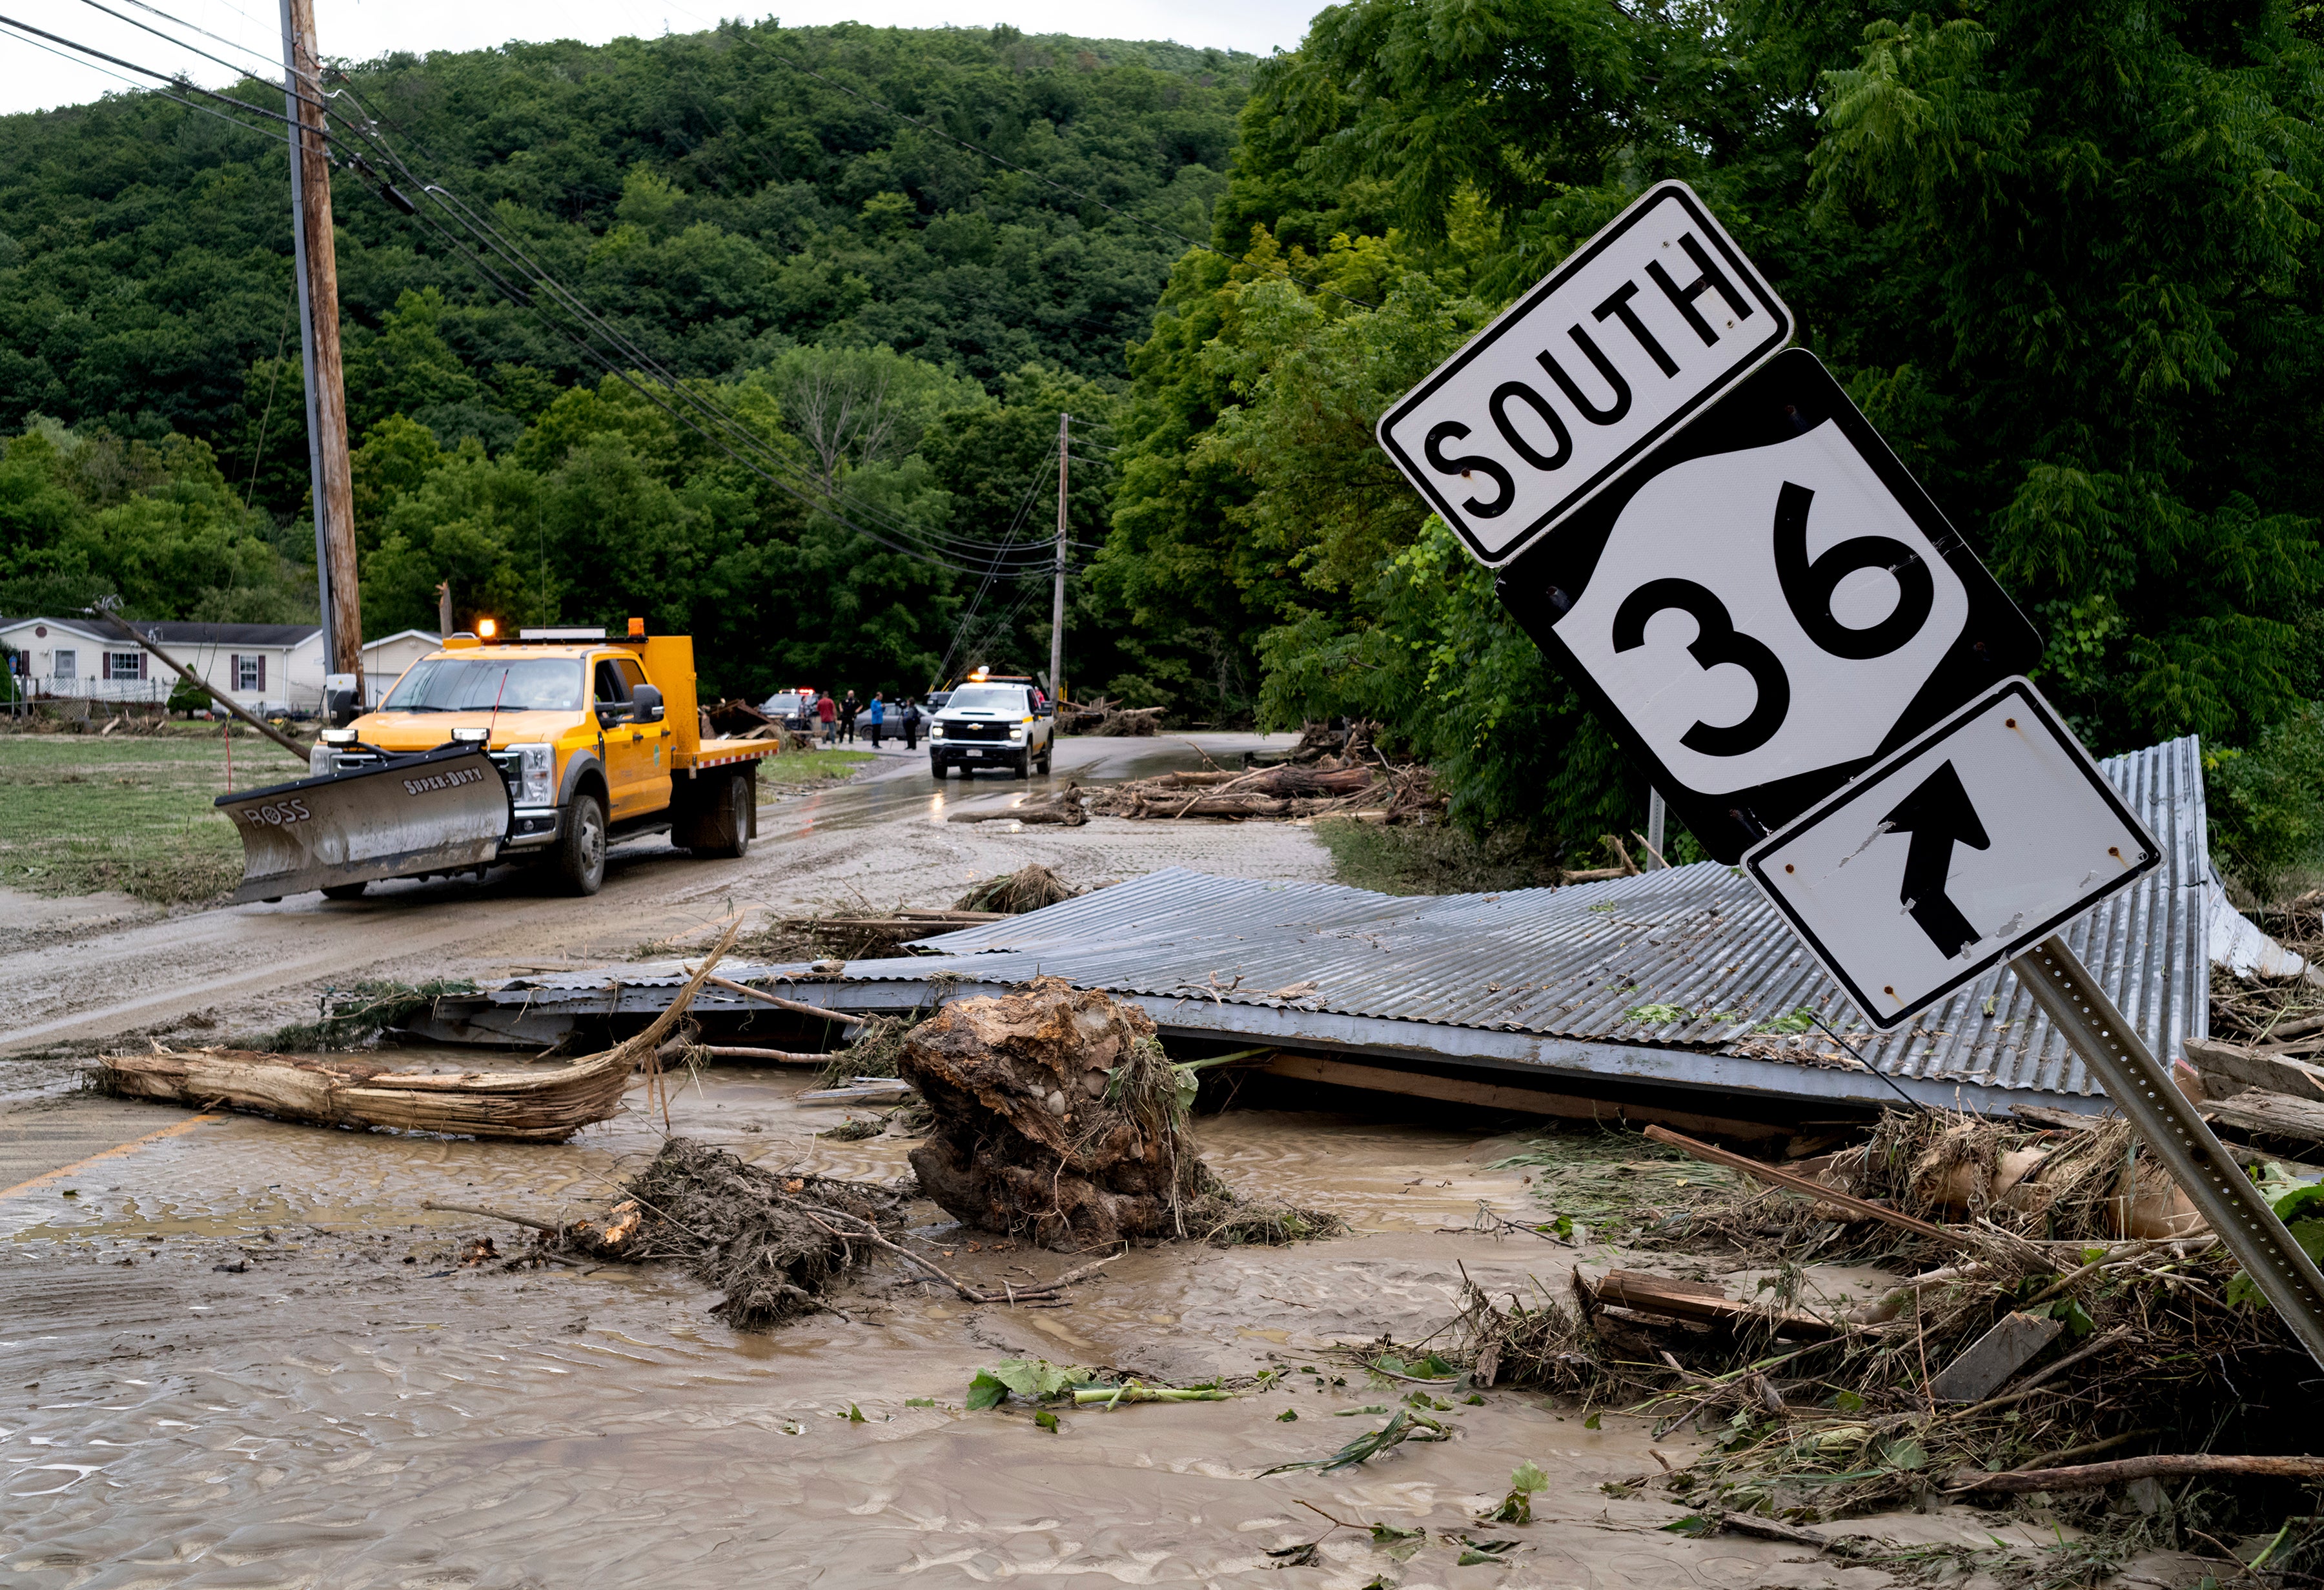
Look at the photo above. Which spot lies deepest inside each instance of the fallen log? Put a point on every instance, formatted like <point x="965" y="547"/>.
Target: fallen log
<point x="2092" y="1476"/>
<point x="516" y="1107"/>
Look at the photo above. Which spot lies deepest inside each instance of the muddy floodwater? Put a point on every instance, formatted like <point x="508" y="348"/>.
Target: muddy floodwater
<point x="245" y="1356"/>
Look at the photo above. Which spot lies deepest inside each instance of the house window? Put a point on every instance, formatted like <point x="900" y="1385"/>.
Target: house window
<point x="124" y="665"/>
<point x="66" y="667"/>
<point x="249" y="673"/>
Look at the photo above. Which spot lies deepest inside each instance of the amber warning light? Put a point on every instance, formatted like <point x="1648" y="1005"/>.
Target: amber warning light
<point x="486" y="629"/>
<point x="637" y="629"/>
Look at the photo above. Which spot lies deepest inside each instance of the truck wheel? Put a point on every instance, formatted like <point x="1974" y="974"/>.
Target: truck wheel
<point x="738" y="807"/>
<point x="343" y="891"/>
<point x="936" y="769"/>
<point x="1025" y="764"/>
<point x="580" y="860"/>
<point x="1047" y="753"/>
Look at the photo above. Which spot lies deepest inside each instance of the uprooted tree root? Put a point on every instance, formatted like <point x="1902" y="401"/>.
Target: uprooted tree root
<point x="1056" y="1115"/>
<point x="2158" y="1349"/>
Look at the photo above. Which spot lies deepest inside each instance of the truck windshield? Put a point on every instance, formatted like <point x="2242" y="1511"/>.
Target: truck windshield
<point x="1007" y="699"/>
<point x="472" y="684"/>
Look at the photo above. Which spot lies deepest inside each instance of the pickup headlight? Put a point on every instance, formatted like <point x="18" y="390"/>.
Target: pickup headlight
<point x="322" y="762"/>
<point x="935" y="731"/>
<point x="1017" y="732"/>
<point x="535" y="765"/>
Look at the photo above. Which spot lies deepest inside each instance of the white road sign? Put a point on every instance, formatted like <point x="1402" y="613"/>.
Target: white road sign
<point x="1956" y="853"/>
<point x="1764" y="605"/>
<point x="1640" y="327"/>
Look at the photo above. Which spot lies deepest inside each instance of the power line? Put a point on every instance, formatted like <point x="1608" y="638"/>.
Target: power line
<point x="180" y="44"/>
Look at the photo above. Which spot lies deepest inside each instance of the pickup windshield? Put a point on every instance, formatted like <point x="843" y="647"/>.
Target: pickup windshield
<point x="1004" y="698"/>
<point x="474" y="684"/>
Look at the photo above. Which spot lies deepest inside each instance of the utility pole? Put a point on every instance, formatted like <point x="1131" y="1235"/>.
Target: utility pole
<point x="331" y="481"/>
<point x="1057" y="593"/>
<point x="1655" y="822"/>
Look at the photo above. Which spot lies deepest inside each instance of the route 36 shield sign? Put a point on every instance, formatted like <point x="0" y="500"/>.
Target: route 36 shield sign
<point x="1764" y="605"/>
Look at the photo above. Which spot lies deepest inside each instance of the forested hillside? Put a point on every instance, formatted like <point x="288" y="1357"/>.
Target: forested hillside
<point x="746" y="224"/>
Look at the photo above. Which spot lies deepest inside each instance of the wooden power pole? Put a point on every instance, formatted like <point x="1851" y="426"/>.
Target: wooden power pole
<point x="333" y="483"/>
<point x="1057" y="592"/>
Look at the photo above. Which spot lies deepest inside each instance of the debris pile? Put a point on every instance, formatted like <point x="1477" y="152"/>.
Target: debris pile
<point x="1102" y="716"/>
<point x="1031" y="887"/>
<point x="777" y="1244"/>
<point x="2037" y="1325"/>
<point x="1056" y="1115"/>
<point x="736" y="719"/>
<point x="871" y="933"/>
<point x="1375" y="793"/>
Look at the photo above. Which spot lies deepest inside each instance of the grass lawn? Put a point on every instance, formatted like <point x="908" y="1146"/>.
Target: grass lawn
<point x="802" y="769"/>
<point x="79" y="814"/>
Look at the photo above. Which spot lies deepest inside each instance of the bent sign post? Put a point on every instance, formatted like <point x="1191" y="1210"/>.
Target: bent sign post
<point x="1716" y="547"/>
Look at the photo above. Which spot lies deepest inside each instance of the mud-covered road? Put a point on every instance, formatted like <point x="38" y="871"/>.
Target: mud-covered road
<point x="241" y="1353"/>
<point x="86" y="970"/>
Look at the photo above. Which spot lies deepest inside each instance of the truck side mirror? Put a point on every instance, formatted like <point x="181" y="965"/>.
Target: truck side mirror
<point x="342" y="700"/>
<point x="645" y="704"/>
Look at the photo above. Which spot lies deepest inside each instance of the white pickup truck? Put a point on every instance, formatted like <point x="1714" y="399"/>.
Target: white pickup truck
<point x="992" y="725"/>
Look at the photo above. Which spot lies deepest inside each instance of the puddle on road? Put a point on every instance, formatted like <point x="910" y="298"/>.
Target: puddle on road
<point x="333" y="1415"/>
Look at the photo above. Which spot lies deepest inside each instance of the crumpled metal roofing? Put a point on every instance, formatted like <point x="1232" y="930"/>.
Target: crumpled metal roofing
<point x="1691" y="958"/>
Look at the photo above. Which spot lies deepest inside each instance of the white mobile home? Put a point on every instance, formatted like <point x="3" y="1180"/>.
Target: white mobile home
<point x="385" y="658"/>
<point x="263" y="667"/>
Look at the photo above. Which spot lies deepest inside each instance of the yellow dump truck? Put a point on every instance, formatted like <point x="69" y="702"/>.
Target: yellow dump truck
<point x="538" y="751"/>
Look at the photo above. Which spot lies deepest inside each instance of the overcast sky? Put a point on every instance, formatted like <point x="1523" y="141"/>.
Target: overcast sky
<point x="30" y="79"/>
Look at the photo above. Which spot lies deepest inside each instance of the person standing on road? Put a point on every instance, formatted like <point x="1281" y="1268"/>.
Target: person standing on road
<point x="827" y="712"/>
<point x="879" y="717"/>
<point x="911" y="723"/>
<point x="847" y="711"/>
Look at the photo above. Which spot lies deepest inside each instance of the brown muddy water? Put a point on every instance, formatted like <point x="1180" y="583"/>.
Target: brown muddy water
<point x="347" y="1407"/>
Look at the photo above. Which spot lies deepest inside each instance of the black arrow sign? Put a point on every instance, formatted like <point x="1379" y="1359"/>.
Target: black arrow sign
<point x="1938" y="815"/>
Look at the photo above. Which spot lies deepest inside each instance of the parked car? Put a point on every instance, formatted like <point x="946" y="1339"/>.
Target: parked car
<point x="794" y="709"/>
<point x="986" y="724"/>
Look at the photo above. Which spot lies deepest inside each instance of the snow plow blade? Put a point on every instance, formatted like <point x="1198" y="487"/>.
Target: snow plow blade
<point x="438" y="811"/>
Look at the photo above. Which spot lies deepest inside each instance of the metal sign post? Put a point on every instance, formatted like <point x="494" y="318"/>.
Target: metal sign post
<point x="2178" y="1135"/>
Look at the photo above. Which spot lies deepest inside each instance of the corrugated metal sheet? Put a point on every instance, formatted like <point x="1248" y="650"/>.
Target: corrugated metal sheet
<point x="1690" y="958"/>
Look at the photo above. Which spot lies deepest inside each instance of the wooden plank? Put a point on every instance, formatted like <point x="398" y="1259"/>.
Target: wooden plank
<point x="2271" y="1113"/>
<point x="1860" y="1209"/>
<point x="2274" y="1073"/>
<point x="1696" y="1300"/>
<point x="1462" y="1090"/>
<point x="2000" y="1353"/>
